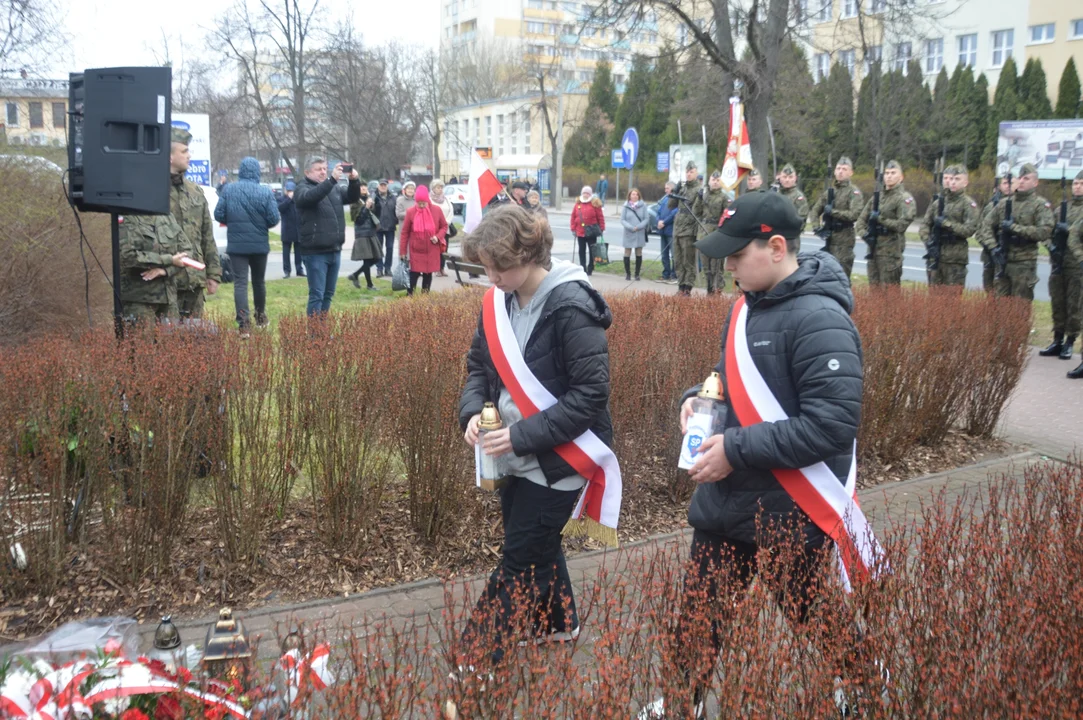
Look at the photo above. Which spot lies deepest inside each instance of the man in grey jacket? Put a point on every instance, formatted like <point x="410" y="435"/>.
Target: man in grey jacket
<point x="805" y="346"/>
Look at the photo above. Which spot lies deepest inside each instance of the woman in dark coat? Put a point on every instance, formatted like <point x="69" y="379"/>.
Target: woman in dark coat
<point x="366" y="245"/>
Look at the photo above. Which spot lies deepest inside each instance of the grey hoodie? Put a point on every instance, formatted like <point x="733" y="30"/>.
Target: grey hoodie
<point x="523" y="321"/>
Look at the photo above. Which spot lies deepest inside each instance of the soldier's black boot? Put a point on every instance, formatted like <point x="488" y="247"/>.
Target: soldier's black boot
<point x="1076" y="374"/>
<point x="1066" y="351"/>
<point x="1054" y="348"/>
<point x="639" y="264"/>
<point x="627" y="268"/>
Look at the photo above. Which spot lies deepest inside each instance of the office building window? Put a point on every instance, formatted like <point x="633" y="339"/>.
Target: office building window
<point x="1043" y="33"/>
<point x="934" y="55"/>
<point x="848" y="58"/>
<point x="823" y="11"/>
<point x="13" y="114"/>
<point x="536" y="28"/>
<point x="59" y="115"/>
<point x="823" y="66"/>
<point x="1076" y="27"/>
<point x="875" y="55"/>
<point x="849" y="8"/>
<point x="902" y="56"/>
<point x="968" y="50"/>
<point x="1002" y="46"/>
<point x="37" y="115"/>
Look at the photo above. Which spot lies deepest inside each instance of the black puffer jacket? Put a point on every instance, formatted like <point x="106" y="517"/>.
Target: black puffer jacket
<point x="805" y="345"/>
<point x="568" y="352"/>
<point x="323" y="221"/>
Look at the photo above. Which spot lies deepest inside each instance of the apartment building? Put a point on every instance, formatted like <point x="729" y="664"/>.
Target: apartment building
<point x="35" y="111"/>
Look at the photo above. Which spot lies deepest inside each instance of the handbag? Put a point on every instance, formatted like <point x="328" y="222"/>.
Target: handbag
<point x="592" y="230"/>
<point x="400" y="276"/>
<point x="452" y="231"/>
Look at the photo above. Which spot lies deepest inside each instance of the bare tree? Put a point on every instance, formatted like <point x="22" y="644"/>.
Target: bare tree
<point x="26" y="26"/>
<point x="372" y="101"/>
<point x="269" y="42"/>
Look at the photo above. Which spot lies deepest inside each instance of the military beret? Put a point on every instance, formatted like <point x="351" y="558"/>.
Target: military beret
<point x="845" y="161"/>
<point x="182" y="136"/>
<point x="1079" y="175"/>
<point x="787" y="169"/>
<point x="691" y="166"/>
<point x="1028" y="169"/>
<point x="893" y="165"/>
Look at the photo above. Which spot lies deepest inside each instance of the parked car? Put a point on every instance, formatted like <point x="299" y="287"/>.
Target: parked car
<point x="457" y="195"/>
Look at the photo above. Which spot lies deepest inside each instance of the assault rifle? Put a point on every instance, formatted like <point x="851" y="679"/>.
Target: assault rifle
<point x="824" y="231"/>
<point x="1000" y="252"/>
<point x="874" y="229"/>
<point x="1060" y="233"/>
<point x="932" y="245"/>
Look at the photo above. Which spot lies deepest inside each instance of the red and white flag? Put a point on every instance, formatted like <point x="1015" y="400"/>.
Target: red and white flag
<point x="482" y="188"/>
<point x="311" y="671"/>
<point x="738" y="150"/>
<point x="815" y="489"/>
<point x="598" y="508"/>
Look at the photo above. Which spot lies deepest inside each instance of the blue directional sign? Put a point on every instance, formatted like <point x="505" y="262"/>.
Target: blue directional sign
<point x="618" y="159"/>
<point x="629" y="147"/>
<point x="663" y="162"/>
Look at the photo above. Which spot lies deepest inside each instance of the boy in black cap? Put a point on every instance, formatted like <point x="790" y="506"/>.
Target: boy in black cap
<point x="799" y="338"/>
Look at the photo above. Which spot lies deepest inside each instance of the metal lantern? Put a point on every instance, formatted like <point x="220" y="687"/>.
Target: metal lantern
<point x="227" y="655"/>
<point x="167" y="645"/>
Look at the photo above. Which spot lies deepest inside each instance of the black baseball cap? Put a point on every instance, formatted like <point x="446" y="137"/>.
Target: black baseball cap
<point x="751" y="216"/>
<point x="519" y="185"/>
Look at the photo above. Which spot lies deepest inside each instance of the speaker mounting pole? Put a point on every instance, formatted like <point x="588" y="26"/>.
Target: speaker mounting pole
<point x="118" y="308"/>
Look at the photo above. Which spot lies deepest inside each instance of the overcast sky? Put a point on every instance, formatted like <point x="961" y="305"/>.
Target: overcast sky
<point x="115" y="33"/>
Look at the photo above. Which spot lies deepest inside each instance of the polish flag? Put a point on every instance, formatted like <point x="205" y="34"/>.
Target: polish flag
<point x="738" y="150"/>
<point x="483" y="187"/>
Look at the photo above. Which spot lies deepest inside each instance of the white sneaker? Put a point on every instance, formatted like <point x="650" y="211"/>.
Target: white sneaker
<point x="465" y="673"/>
<point x="558" y="636"/>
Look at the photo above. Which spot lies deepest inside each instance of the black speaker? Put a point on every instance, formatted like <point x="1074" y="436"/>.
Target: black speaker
<point x="119" y="139"/>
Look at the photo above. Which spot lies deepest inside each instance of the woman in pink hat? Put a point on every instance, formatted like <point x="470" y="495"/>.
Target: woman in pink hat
<point x="422" y="239"/>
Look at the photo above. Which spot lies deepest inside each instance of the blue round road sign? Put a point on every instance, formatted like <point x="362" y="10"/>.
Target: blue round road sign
<point x="629" y="147"/>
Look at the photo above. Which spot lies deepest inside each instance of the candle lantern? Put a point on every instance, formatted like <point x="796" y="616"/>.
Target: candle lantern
<point x="227" y="655"/>
<point x="490" y="468"/>
<point x="167" y="645"/>
<point x="708" y="418"/>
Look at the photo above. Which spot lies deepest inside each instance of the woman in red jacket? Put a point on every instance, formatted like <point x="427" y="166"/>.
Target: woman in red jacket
<point x="588" y="224"/>
<point x="422" y="239"/>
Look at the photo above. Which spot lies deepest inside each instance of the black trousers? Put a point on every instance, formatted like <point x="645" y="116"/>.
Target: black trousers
<point x="532" y="568"/>
<point x="241" y="265"/>
<point x="586" y="255"/>
<point x="426" y="281"/>
<point x="721" y="564"/>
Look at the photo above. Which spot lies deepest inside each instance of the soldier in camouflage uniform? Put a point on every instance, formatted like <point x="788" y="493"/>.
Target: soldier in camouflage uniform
<point x="897" y="211"/>
<point x="848" y="205"/>
<point x="787" y="181"/>
<point x="188" y="206"/>
<point x="1064" y="289"/>
<point x="960" y="221"/>
<point x="1075" y="256"/>
<point x="1031" y="223"/>
<point x="708" y="207"/>
<point x="754" y="183"/>
<point x="152" y="249"/>
<point x="685" y="229"/>
<point x="989" y="241"/>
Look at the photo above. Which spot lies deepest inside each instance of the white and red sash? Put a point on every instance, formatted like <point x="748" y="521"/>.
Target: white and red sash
<point x="815" y="489"/>
<point x="598" y="508"/>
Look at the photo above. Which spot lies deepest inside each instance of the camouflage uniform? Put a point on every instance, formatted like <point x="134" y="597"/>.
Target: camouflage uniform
<point x="708" y="207"/>
<point x="797" y="196"/>
<point x="1064" y="289"/>
<point x="845" y="211"/>
<point x="961" y="219"/>
<point x="987" y="241"/>
<point x="188" y="205"/>
<point x="897" y="211"/>
<point x="1032" y="223"/>
<point x="147" y="242"/>
<point x="685" y="229"/>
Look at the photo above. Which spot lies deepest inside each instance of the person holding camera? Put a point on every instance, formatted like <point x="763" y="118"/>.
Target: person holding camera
<point x="323" y="227"/>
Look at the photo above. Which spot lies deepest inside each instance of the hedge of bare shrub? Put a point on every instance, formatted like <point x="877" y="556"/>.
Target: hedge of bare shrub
<point x="361" y="408"/>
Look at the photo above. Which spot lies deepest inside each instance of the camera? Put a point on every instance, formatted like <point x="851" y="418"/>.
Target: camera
<point x="346" y="169"/>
